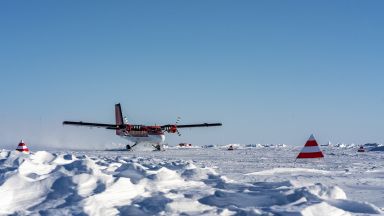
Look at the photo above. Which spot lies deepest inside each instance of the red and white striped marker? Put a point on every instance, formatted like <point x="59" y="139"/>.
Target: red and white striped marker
<point x="22" y="147"/>
<point x="311" y="149"/>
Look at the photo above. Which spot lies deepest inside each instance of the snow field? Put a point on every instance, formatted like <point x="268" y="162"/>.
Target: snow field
<point x="190" y="182"/>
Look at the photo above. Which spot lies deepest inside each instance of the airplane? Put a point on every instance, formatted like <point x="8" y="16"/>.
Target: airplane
<point x="140" y="133"/>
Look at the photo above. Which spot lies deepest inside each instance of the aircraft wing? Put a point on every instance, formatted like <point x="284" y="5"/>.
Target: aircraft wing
<point x="194" y="125"/>
<point x="88" y="124"/>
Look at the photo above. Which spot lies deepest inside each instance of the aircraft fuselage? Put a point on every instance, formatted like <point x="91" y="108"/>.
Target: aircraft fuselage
<point x="141" y="133"/>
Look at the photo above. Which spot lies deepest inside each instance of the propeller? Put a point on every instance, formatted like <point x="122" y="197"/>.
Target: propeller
<point x="173" y="128"/>
<point x="178" y="119"/>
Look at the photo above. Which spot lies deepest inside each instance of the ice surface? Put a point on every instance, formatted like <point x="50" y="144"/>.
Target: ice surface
<point x="251" y="180"/>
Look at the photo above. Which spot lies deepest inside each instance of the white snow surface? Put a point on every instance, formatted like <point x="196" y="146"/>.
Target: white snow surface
<point x="195" y="181"/>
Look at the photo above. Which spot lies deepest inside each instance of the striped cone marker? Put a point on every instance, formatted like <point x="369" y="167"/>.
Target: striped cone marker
<point x="311" y="149"/>
<point x="22" y="147"/>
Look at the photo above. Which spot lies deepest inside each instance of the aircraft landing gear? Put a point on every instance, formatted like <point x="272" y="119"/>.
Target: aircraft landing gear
<point x="130" y="148"/>
<point x="158" y="147"/>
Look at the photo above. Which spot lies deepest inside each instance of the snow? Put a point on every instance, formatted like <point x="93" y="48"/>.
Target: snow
<point x="250" y="180"/>
<point x="379" y="148"/>
<point x="291" y="171"/>
<point x="374" y="147"/>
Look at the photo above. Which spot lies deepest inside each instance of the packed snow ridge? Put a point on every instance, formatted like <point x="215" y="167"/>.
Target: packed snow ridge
<point x="245" y="146"/>
<point x="75" y="184"/>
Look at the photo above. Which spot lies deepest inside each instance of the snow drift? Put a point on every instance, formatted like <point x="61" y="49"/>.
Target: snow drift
<point x="67" y="184"/>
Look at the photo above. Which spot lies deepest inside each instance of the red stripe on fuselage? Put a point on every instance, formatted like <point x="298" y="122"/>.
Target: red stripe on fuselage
<point x="141" y="130"/>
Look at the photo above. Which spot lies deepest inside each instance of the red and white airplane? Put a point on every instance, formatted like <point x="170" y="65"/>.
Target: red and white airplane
<point x="140" y="133"/>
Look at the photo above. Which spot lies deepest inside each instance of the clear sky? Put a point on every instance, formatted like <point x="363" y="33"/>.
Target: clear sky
<point x="271" y="71"/>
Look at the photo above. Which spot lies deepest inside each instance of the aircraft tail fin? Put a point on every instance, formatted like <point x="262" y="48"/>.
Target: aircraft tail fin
<point x="119" y="118"/>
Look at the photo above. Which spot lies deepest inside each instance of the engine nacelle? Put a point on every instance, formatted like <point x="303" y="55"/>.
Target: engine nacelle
<point x="172" y="129"/>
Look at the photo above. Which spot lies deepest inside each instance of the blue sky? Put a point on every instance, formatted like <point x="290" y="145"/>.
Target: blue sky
<point x="271" y="71"/>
